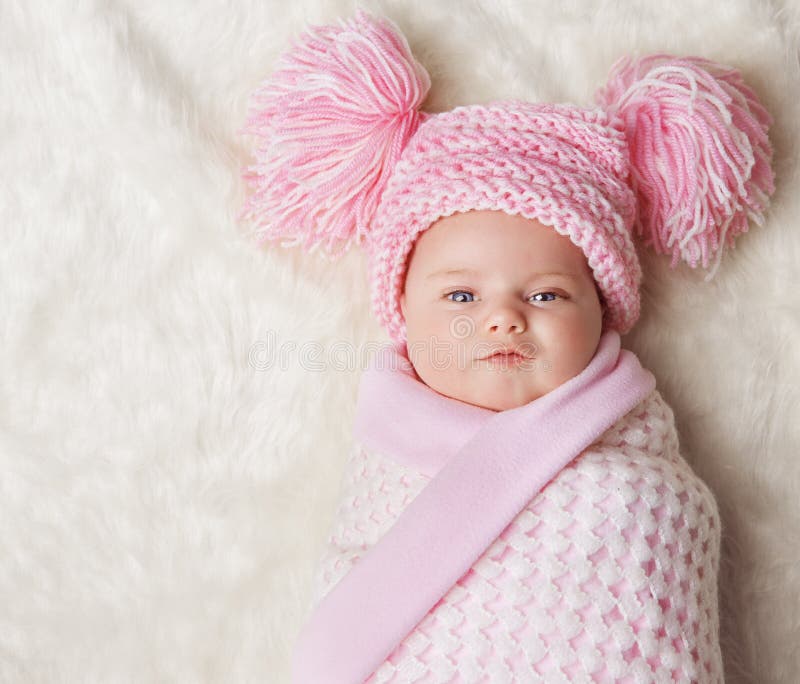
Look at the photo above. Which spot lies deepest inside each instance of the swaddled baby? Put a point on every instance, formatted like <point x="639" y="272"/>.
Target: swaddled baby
<point x="515" y="508"/>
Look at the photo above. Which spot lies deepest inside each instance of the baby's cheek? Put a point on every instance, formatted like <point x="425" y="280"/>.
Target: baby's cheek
<point x="451" y="382"/>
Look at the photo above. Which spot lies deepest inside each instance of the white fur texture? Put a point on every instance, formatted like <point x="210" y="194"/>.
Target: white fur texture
<point x="166" y="478"/>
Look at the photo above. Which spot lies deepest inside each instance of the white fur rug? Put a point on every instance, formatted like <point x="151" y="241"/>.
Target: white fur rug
<point x="175" y="405"/>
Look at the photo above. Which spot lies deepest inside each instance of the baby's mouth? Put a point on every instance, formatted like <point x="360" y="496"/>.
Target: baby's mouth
<point x="509" y="354"/>
<point x="506" y="360"/>
<point x="506" y="355"/>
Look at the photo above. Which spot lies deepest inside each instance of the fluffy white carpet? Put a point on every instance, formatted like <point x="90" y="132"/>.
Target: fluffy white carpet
<point x="175" y="405"/>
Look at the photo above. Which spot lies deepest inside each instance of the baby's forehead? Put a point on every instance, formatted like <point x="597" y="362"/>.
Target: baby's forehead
<point x="493" y="245"/>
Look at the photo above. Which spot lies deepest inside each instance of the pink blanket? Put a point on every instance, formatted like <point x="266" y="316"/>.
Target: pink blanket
<point x="602" y="566"/>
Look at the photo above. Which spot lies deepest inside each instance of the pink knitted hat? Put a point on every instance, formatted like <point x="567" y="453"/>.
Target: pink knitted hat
<point x="677" y="150"/>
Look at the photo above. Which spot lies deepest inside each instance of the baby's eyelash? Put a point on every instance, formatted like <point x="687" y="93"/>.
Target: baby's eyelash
<point x="459" y="291"/>
<point x="555" y="294"/>
<point x="470" y="296"/>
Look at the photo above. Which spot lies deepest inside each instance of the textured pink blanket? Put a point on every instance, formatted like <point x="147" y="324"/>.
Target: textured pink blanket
<point x="566" y="540"/>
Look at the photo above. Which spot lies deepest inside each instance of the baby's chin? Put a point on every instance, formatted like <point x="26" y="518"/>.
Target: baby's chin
<point x="495" y="396"/>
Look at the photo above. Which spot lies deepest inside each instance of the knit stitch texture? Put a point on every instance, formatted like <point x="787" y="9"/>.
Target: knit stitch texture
<point x="607" y="575"/>
<point x="563" y="165"/>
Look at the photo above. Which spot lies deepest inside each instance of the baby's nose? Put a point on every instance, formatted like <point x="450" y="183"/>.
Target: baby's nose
<point x="505" y="319"/>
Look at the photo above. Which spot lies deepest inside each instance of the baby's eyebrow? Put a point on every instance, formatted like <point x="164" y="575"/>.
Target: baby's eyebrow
<point x="452" y="272"/>
<point x="470" y="271"/>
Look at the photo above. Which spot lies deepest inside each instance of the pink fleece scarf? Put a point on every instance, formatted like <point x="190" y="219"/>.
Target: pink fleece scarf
<point x="485" y="467"/>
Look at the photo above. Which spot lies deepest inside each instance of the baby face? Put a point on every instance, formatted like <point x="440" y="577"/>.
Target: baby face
<point x="482" y="283"/>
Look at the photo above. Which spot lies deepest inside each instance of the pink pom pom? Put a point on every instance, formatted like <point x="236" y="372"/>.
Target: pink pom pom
<point x="329" y="125"/>
<point x="700" y="157"/>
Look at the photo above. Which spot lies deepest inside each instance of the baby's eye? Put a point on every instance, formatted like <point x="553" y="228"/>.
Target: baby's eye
<point x="460" y="295"/>
<point x="551" y="296"/>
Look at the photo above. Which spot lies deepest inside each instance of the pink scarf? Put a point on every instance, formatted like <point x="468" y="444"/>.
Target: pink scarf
<point x="486" y="466"/>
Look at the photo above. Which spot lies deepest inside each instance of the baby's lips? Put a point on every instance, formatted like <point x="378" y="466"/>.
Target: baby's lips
<point x="526" y="350"/>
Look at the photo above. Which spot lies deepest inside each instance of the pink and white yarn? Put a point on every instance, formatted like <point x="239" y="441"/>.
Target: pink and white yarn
<point x="700" y="155"/>
<point x="330" y="124"/>
<point x="563" y="165"/>
<point x="678" y="151"/>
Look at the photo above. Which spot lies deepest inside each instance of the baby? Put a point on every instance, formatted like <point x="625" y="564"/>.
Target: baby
<point x="499" y="309"/>
<point x="515" y="507"/>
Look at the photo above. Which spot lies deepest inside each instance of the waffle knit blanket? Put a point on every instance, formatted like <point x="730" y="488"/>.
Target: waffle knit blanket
<point x="563" y="541"/>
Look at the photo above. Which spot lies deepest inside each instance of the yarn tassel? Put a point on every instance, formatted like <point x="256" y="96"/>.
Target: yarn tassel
<point x="329" y="126"/>
<point x="700" y="156"/>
